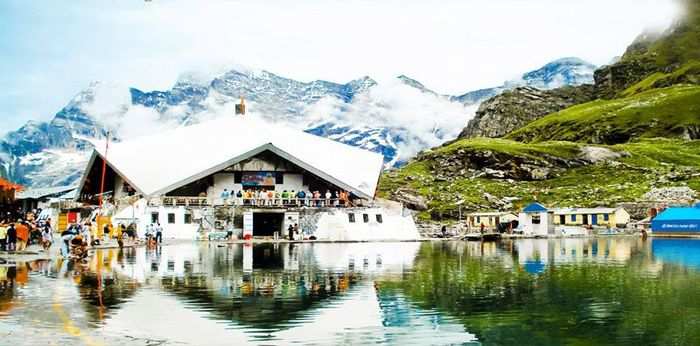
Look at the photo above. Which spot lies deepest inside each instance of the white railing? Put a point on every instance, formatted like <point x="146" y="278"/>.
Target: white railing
<point x="248" y="202"/>
<point x="282" y="202"/>
<point x="179" y="202"/>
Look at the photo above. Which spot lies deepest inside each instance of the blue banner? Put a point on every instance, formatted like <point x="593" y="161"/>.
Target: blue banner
<point x="676" y="226"/>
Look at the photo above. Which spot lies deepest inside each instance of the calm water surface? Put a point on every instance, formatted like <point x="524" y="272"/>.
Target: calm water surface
<point x="530" y="292"/>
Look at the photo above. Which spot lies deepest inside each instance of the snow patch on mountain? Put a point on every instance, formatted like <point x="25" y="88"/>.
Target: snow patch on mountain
<point x="556" y="74"/>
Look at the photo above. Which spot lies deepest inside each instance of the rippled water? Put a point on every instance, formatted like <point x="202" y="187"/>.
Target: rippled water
<point x="526" y="292"/>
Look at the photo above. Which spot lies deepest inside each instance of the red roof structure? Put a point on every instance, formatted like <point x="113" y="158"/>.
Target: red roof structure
<point x="7" y="185"/>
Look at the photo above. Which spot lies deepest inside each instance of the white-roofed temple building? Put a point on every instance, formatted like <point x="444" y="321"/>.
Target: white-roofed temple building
<point x="243" y="174"/>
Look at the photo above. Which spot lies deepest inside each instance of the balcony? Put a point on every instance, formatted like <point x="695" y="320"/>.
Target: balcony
<point x="244" y="202"/>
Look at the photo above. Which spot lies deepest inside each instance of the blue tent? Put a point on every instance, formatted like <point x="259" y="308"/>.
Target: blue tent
<point x="534" y="208"/>
<point x="677" y="220"/>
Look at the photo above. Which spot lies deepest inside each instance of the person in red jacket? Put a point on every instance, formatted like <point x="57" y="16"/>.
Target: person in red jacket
<point x="22" y="235"/>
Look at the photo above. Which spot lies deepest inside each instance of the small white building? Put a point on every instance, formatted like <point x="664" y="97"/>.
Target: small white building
<point x="235" y="172"/>
<point x="536" y="220"/>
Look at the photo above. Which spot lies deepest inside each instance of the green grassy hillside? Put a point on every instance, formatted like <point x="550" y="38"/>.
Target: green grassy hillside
<point x="674" y="48"/>
<point x="645" y="164"/>
<point x="665" y="112"/>
<point x="689" y="73"/>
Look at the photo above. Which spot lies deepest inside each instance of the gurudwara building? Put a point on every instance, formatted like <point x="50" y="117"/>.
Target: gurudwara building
<point x="243" y="174"/>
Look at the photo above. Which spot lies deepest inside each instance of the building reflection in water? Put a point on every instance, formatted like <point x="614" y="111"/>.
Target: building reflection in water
<point x="273" y="291"/>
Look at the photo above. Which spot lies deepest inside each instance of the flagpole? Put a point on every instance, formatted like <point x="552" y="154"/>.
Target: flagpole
<point x="104" y="171"/>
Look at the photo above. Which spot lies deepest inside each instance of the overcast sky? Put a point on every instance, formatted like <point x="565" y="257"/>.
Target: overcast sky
<point x="50" y="50"/>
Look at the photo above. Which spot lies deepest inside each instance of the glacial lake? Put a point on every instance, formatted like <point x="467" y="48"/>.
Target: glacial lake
<point x="598" y="291"/>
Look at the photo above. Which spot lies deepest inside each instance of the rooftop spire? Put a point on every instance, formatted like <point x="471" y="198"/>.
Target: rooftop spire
<point x="240" y="107"/>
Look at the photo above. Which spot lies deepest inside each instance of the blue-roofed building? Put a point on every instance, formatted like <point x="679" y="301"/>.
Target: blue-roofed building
<point x="677" y="221"/>
<point x="534" y="208"/>
<point x="536" y="220"/>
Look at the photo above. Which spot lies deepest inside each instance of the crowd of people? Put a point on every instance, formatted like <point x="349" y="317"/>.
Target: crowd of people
<point x="17" y="234"/>
<point x="265" y="197"/>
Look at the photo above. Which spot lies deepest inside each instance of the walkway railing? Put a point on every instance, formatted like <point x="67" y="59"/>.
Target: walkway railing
<point x="283" y="202"/>
<point x="179" y="202"/>
<point x="248" y="202"/>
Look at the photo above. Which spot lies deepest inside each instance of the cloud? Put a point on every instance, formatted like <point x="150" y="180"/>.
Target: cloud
<point x="52" y="49"/>
<point x="421" y="119"/>
<point x="111" y="107"/>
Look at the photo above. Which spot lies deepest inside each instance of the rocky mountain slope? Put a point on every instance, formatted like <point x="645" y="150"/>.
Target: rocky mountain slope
<point x="397" y="119"/>
<point x="665" y="112"/>
<point x="634" y="141"/>
<point x="499" y="174"/>
<point x="514" y="109"/>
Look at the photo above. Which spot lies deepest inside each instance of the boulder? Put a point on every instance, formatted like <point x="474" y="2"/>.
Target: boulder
<point x="411" y="199"/>
<point x="597" y="154"/>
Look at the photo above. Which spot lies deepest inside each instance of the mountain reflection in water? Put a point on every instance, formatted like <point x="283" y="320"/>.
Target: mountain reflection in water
<point x="614" y="290"/>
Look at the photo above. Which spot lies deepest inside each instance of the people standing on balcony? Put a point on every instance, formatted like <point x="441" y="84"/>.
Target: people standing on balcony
<point x="301" y="196"/>
<point x="328" y="198"/>
<point x="316" y="196"/>
<point x="225" y="195"/>
<point x="293" y="198"/>
<point x="239" y="195"/>
<point x="336" y="197"/>
<point x="270" y="197"/>
<point x="342" y="199"/>
<point x="285" y="197"/>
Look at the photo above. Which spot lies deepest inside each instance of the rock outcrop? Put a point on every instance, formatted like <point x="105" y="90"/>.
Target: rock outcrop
<point x="612" y="79"/>
<point x="511" y="110"/>
<point x="679" y="194"/>
<point x="471" y="162"/>
<point x="411" y="199"/>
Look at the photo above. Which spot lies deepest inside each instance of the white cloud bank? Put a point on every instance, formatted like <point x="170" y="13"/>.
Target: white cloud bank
<point x="51" y="49"/>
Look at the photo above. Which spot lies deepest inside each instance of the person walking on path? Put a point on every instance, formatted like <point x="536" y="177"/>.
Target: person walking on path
<point x="11" y="237"/>
<point x="46" y="238"/>
<point x="3" y="235"/>
<point x="290" y="230"/>
<point x="22" y="235"/>
<point x="105" y="230"/>
<point x="66" y="237"/>
<point x="159" y="233"/>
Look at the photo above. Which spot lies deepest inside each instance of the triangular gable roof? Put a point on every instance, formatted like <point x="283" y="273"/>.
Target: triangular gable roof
<point x="534" y="208"/>
<point x="42" y="192"/>
<point x="160" y="163"/>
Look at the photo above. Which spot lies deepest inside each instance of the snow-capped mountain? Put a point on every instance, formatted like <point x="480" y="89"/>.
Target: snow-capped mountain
<point x="397" y="118"/>
<point x="556" y="74"/>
